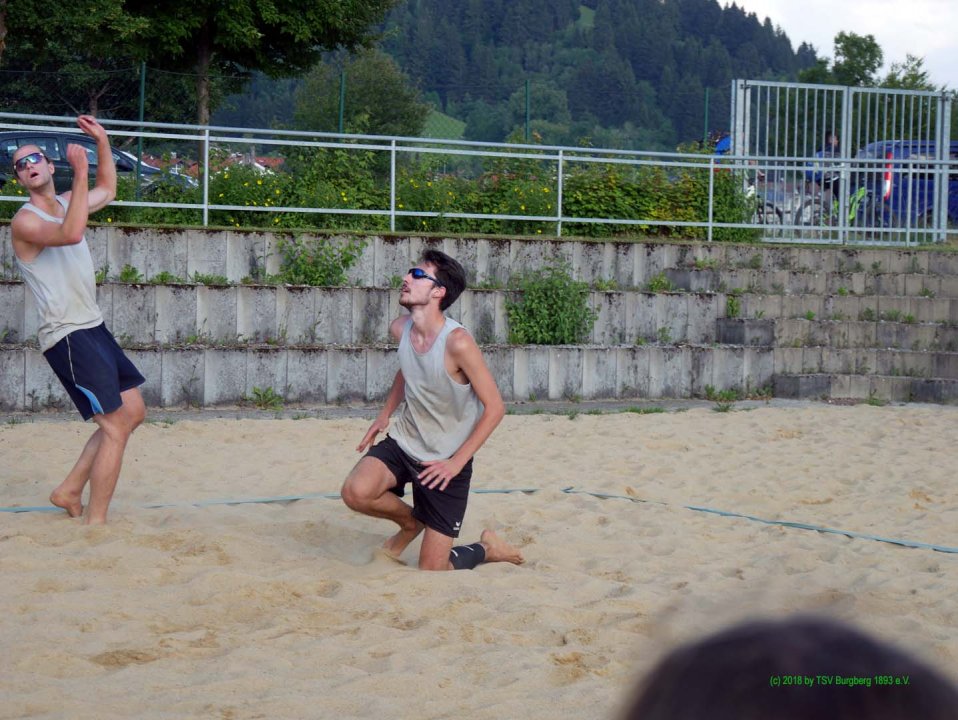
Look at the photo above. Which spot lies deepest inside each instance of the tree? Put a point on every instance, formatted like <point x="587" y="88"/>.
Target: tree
<point x="280" y="38"/>
<point x="81" y="57"/>
<point x="857" y="59"/>
<point x="380" y="100"/>
<point x="908" y="75"/>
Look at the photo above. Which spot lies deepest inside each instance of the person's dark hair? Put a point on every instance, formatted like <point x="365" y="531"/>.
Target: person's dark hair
<point x="449" y="272"/>
<point x="748" y="672"/>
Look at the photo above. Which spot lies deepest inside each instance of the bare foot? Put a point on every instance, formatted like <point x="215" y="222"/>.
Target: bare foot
<point x="395" y="545"/>
<point x="498" y="550"/>
<point x="68" y="501"/>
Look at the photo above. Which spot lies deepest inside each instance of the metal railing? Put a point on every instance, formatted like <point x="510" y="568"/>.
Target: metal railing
<point x="779" y="202"/>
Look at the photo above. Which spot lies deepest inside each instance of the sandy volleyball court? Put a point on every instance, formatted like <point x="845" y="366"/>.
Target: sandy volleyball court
<point x="284" y="610"/>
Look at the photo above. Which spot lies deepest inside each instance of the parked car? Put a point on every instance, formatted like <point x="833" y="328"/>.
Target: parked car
<point x="54" y="146"/>
<point x="905" y="191"/>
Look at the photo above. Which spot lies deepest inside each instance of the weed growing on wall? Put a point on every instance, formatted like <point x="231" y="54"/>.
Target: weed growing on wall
<point x="317" y="260"/>
<point x="551" y="309"/>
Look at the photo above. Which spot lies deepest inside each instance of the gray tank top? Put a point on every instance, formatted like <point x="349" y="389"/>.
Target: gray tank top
<point x="64" y="283"/>
<point x="438" y="413"/>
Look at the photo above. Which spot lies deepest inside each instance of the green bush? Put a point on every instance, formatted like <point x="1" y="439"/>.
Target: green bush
<point x="552" y="309"/>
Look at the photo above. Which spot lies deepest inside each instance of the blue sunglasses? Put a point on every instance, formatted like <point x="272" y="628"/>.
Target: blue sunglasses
<point x="33" y="159"/>
<point x="419" y="274"/>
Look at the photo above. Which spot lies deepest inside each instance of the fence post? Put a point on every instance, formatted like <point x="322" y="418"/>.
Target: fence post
<point x="206" y="175"/>
<point x="392" y="186"/>
<point x="561" y="178"/>
<point x="942" y="173"/>
<point x="711" y="195"/>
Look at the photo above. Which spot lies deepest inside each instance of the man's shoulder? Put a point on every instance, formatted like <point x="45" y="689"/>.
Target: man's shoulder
<point x="459" y="340"/>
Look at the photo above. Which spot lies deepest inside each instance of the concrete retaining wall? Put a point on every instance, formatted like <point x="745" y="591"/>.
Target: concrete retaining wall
<point x="237" y="254"/>
<point x="214" y="376"/>
<point x="167" y="314"/>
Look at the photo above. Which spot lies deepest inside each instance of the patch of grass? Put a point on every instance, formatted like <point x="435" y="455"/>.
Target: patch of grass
<point x="165" y="277"/>
<point x="209" y="279"/>
<point x="659" y="283"/>
<point x="129" y="274"/>
<point x="266" y="399"/>
<point x="733" y="306"/>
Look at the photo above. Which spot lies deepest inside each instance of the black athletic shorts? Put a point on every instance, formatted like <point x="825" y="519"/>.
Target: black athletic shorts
<point x="93" y="370"/>
<point x="441" y="510"/>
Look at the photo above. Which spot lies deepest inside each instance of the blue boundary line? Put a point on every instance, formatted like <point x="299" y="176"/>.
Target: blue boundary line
<point x="530" y="491"/>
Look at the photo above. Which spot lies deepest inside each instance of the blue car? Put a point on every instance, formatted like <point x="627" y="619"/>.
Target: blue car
<point x="905" y="191"/>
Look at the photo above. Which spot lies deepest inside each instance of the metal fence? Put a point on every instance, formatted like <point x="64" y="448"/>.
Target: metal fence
<point x="867" y="163"/>
<point x="775" y="192"/>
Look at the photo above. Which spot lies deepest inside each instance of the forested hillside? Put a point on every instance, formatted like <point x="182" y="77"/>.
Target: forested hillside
<point x="627" y="73"/>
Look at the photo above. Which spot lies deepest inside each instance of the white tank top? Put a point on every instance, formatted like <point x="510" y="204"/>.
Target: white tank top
<point x="438" y="414"/>
<point x="64" y="283"/>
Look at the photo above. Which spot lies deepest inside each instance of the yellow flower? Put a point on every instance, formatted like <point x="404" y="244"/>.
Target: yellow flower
<point x="109" y="220"/>
<point x="277" y="191"/>
<point x="429" y="183"/>
<point x="221" y="194"/>
<point x="259" y="182"/>
<point x="400" y="205"/>
<point x="522" y="207"/>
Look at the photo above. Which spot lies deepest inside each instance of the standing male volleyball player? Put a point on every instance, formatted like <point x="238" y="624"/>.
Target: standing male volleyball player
<point x="448" y="407"/>
<point x="55" y="261"/>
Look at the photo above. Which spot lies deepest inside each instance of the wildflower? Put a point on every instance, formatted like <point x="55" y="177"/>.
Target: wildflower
<point x="259" y="182"/>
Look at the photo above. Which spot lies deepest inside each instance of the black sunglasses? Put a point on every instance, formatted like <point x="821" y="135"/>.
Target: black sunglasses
<point x="419" y="274"/>
<point x="33" y="158"/>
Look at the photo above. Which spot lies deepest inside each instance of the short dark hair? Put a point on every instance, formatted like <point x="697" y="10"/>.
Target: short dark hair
<point x="449" y="272"/>
<point x="747" y="672"/>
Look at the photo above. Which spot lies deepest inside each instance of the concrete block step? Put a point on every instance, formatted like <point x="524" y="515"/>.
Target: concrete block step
<point x="148" y="314"/>
<point x="235" y="254"/>
<point x="866" y="361"/>
<point x="809" y="282"/>
<point x="869" y="308"/>
<point x="875" y="388"/>
<point x="206" y="376"/>
<point x="799" y="332"/>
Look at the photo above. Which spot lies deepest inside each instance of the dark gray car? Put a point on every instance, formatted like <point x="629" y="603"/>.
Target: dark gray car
<point x="54" y="146"/>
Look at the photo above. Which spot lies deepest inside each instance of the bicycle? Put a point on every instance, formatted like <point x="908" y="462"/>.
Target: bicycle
<point x="816" y="211"/>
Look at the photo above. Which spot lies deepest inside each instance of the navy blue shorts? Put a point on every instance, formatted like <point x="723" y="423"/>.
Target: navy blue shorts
<point x="94" y="370"/>
<point x="441" y="510"/>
